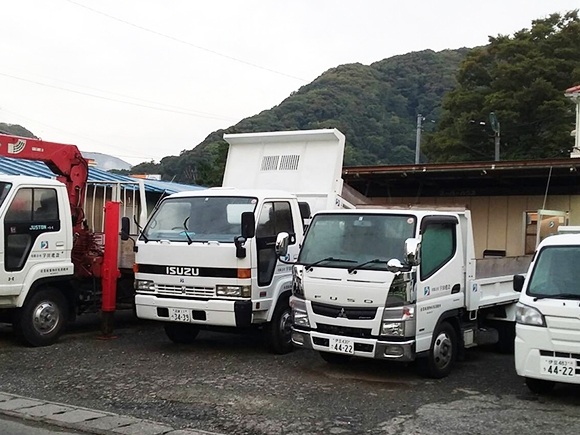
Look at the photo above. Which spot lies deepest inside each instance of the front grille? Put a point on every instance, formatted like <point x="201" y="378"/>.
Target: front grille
<point x="344" y="331"/>
<point x="185" y="291"/>
<point x="352" y="313"/>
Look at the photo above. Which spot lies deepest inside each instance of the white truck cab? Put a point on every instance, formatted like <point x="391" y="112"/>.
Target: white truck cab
<point x="36" y="240"/>
<point x="208" y="259"/>
<point x="396" y="285"/>
<point x="547" y="346"/>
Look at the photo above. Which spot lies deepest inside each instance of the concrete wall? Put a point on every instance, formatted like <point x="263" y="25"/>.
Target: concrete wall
<point x="498" y="221"/>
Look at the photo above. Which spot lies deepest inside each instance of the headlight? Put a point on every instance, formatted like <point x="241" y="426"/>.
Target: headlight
<point x="244" y="291"/>
<point x="393" y="329"/>
<point x="297" y="288"/>
<point x="144" y="285"/>
<point x="399" y="321"/>
<point x="526" y="315"/>
<point x="299" y="313"/>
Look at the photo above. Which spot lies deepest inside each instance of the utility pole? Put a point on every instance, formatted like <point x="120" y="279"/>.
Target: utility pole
<point x="418" y="140"/>
<point x="496" y="133"/>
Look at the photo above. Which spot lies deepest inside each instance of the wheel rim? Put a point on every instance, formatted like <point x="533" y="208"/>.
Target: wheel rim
<point x="286" y="326"/>
<point x="45" y="317"/>
<point x="442" y="350"/>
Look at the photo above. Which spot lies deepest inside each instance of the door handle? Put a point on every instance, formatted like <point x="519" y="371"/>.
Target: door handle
<point x="456" y="288"/>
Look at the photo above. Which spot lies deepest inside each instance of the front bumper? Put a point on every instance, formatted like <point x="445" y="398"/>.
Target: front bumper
<point x="211" y="312"/>
<point x="364" y="347"/>
<point x="532" y="343"/>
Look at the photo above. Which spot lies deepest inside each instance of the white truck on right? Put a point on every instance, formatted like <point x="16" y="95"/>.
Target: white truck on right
<point x="547" y="346"/>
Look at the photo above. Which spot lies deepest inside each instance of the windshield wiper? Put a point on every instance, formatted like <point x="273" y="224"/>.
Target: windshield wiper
<point x="558" y="296"/>
<point x="358" y="266"/>
<point x="189" y="241"/>
<point x="341" y="260"/>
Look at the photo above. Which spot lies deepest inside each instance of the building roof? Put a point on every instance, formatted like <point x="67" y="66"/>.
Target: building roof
<point x="32" y="168"/>
<point x="510" y="177"/>
<point x="573" y="89"/>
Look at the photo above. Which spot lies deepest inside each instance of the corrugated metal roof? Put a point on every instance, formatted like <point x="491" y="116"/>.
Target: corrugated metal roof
<point x="32" y="168"/>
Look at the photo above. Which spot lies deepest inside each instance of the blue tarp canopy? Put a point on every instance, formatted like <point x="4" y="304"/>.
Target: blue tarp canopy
<point x="32" y="168"/>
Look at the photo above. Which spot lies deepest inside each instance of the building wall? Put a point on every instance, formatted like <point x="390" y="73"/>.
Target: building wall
<point x="498" y="221"/>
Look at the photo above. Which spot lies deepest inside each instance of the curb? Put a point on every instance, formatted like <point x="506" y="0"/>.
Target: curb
<point x="84" y="419"/>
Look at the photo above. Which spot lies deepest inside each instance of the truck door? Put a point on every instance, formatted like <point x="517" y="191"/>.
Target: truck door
<point x="440" y="287"/>
<point x="275" y="217"/>
<point x="32" y="232"/>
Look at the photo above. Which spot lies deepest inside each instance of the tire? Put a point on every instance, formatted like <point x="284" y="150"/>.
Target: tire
<point x="539" y="386"/>
<point x="442" y="355"/>
<point x="42" y="319"/>
<point x="334" y="358"/>
<point x="278" y="332"/>
<point x="181" y="333"/>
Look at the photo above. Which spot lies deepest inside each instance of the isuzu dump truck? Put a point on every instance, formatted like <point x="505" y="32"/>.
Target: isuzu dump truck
<point x="207" y="259"/>
<point x="398" y="285"/>
<point x="547" y="346"/>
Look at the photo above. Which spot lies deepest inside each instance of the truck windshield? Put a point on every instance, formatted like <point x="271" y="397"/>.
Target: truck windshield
<point x="4" y="190"/>
<point x="203" y="219"/>
<point x="357" y="238"/>
<point x="556" y="273"/>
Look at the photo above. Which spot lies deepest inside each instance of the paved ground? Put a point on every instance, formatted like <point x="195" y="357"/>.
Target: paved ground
<point x="229" y="383"/>
<point x="17" y="427"/>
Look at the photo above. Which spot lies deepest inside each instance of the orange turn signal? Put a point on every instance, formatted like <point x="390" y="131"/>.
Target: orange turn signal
<point x="135" y="268"/>
<point x="244" y="273"/>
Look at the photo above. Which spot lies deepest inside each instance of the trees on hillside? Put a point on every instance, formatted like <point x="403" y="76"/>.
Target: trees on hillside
<point x="522" y="78"/>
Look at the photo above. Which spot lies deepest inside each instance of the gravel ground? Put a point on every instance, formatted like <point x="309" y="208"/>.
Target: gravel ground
<point x="229" y="383"/>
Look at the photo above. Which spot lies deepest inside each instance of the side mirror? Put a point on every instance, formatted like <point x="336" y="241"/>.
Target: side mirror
<point x="413" y="251"/>
<point x="125" y="225"/>
<point x="519" y="283"/>
<point x="282" y="242"/>
<point x="248" y="225"/>
<point x="394" y="265"/>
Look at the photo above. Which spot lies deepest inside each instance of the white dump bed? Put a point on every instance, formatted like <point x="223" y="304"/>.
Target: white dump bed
<point x="307" y="163"/>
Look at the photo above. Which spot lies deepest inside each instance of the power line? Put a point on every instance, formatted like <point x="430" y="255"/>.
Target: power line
<point x="127" y="96"/>
<point x="181" y="41"/>
<point x="109" y="99"/>
<point x="78" y="135"/>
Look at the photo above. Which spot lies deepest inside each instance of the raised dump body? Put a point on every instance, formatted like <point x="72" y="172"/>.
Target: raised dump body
<point x="307" y="163"/>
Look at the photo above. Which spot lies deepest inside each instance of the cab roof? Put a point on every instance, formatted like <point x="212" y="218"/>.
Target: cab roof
<point x="560" y="239"/>
<point x="260" y="194"/>
<point x="24" y="179"/>
<point x="406" y="212"/>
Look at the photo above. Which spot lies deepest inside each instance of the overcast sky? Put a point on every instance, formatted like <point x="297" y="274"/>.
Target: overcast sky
<point x="204" y="65"/>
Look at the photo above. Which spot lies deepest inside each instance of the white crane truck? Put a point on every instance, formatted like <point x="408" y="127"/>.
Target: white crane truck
<point x="207" y="259"/>
<point x="547" y="347"/>
<point x="398" y="285"/>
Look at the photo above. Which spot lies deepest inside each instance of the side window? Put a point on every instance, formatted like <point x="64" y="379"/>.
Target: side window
<point x="21" y="208"/>
<point x="283" y="217"/>
<point x="266" y="223"/>
<point x="438" y="246"/>
<point x="45" y="205"/>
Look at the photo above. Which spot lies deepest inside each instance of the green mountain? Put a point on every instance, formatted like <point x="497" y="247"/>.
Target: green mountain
<point x="15" y="129"/>
<point x="375" y="106"/>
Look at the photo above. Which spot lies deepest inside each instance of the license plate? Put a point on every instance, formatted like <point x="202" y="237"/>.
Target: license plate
<point x="342" y="345"/>
<point x="179" y="315"/>
<point x="558" y="366"/>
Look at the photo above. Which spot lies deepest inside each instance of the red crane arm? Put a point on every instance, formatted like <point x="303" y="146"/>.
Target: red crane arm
<point x="65" y="161"/>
